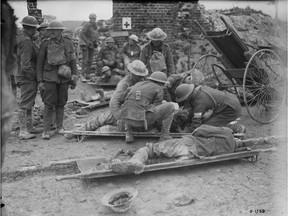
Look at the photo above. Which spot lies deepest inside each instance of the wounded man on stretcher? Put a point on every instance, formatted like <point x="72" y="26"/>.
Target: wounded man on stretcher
<point x="205" y="141"/>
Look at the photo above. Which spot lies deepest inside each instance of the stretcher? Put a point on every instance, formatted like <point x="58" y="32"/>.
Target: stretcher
<point x="87" y="105"/>
<point x="102" y="84"/>
<point x="80" y="135"/>
<point x="97" y="167"/>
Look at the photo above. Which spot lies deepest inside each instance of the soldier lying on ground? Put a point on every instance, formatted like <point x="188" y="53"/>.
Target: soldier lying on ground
<point x="205" y="141"/>
<point x="137" y="72"/>
<point x="110" y="76"/>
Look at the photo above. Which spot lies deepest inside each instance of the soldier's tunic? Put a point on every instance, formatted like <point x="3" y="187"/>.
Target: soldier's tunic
<point x="89" y="34"/>
<point x="225" y="106"/>
<point x="56" y="87"/>
<point x="147" y="52"/>
<point x="26" y="77"/>
<point x="143" y="106"/>
<point x="111" y="117"/>
<point x="110" y="54"/>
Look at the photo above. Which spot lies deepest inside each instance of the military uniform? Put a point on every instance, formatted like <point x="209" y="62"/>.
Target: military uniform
<point x="26" y="77"/>
<point x="130" y="53"/>
<point x="147" y="52"/>
<point x="110" y="54"/>
<point x="88" y="41"/>
<point x="111" y="117"/>
<point x="56" y="87"/>
<point x="205" y="141"/>
<point x="143" y="106"/>
<point x="26" y="80"/>
<point x="225" y="106"/>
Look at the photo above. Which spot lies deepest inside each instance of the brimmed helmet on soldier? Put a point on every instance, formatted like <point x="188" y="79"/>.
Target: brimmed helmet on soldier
<point x="183" y="91"/>
<point x="157" y="34"/>
<point x="138" y="68"/>
<point x="159" y="77"/>
<point x="134" y="38"/>
<point x="29" y="21"/>
<point x="55" y="25"/>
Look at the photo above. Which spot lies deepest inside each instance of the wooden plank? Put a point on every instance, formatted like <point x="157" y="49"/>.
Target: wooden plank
<point x="170" y="165"/>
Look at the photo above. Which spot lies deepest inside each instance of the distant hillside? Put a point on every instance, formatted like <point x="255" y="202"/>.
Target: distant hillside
<point x="72" y="25"/>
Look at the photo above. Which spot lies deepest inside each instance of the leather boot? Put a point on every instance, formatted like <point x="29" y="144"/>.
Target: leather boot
<point x="24" y="134"/>
<point x="47" y="119"/>
<point x="59" y="120"/>
<point x="129" y="138"/>
<point x="135" y="165"/>
<point x="165" y="128"/>
<point x="30" y="126"/>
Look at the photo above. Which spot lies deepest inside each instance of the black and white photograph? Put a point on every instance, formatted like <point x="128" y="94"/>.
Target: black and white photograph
<point x="143" y="108"/>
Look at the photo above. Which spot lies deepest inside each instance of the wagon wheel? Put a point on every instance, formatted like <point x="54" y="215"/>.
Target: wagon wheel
<point x="213" y="72"/>
<point x="264" y="86"/>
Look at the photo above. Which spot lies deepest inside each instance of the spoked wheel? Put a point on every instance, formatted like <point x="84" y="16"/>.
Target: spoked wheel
<point x="213" y="73"/>
<point x="264" y="86"/>
<point x="203" y="71"/>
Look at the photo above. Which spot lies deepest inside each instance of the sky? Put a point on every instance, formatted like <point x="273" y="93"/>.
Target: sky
<point x="80" y="10"/>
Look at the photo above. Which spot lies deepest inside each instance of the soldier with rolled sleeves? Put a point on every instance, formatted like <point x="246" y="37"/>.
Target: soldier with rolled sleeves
<point x="209" y="106"/>
<point x="109" y="56"/>
<point x="26" y="78"/>
<point x="56" y="71"/>
<point x="88" y="41"/>
<point x="144" y="108"/>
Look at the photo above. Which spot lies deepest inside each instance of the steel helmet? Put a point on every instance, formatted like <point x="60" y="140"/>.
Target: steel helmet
<point x="43" y="25"/>
<point x="92" y="16"/>
<point x="29" y="21"/>
<point x="134" y="37"/>
<point x="138" y="68"/>
<point x="158" y="76"/>
<point x="110" y="40"/>
<point x="183" y="91"/>
<point x="105" y="68"/>
<point x="56" y="25"/>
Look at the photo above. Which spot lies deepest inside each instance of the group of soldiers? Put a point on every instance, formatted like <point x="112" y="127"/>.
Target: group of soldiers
<point x="147" y="98"/>
<point x="48" y="63"/>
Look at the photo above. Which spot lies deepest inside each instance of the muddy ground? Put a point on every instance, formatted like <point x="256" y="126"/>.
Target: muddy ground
<point x="235" y="187"/>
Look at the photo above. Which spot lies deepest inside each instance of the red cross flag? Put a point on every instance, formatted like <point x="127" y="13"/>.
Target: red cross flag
<point x="126" y="23"/>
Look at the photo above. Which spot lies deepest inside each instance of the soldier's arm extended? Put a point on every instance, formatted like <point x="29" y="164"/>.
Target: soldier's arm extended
<point x="26" y="51"/>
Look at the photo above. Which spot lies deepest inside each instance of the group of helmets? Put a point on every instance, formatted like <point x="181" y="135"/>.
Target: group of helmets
<point x="32" y="22"/>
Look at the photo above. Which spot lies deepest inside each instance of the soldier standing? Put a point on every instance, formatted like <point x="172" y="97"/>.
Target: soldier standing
<point x="25" y="77"/>
<point x="131" y="51"/>
<point x="88" y="41"/>
<point x="156" y="54"/>
<point x="56" y="71"/>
